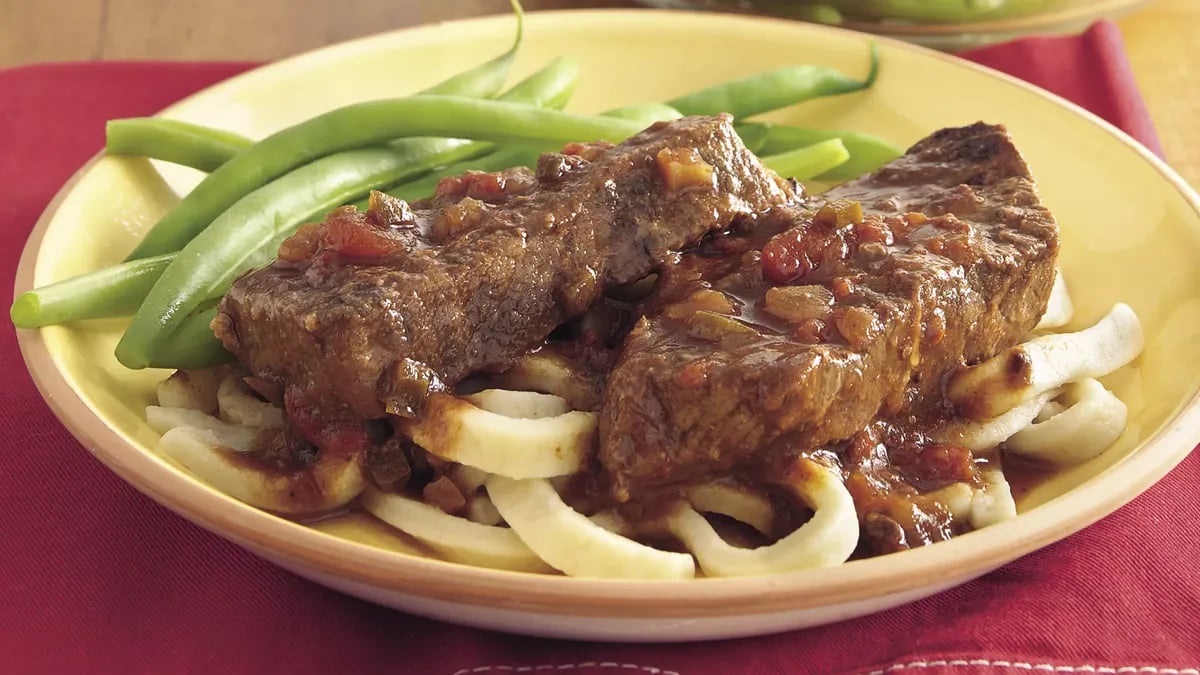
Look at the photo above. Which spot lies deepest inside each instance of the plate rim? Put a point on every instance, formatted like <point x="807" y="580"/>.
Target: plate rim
<point x="601" y="598"/>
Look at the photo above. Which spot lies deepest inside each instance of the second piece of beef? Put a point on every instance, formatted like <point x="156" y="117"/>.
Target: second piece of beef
<point x="802" y="330"/>
<point x="366" y="313"/>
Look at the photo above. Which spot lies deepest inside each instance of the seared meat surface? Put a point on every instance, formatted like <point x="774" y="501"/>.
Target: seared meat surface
<point x="367" y="313"/>
<point x="808" y="324"/>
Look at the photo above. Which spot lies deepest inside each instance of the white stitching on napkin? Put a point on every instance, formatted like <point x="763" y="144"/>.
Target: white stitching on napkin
<point x="1021" y="665"/>
<point x="911" y="665"/>
<point x="613" y="665"/>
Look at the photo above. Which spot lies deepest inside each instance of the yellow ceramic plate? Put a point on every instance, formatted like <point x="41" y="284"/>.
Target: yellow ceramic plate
<point x="1131" y="232"/>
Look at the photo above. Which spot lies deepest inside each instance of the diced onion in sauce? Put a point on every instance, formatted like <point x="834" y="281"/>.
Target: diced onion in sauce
<point x="712" y="327"/>
<point x="798" y="303"/>
<point x="681" y="168"/>
<point x="838" y="214"/>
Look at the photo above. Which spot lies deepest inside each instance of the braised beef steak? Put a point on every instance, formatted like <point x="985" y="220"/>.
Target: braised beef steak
<point x="817" y="319"/>
<point x="367" y="312"/>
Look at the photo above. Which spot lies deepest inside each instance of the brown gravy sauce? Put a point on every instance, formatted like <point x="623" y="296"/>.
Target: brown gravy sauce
<point x="1024" y="475"/>
<point x="586" y="494"/>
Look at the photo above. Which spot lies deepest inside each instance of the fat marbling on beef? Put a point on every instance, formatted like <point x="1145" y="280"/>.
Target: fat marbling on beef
<point x="803" y="328"/>
<point x="366" y="313"/>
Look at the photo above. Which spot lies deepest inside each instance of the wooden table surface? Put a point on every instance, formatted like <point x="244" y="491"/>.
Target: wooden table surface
<point x="1163" y="39"/>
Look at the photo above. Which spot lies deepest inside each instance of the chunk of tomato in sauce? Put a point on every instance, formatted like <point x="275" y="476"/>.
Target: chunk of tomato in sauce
<point x="787" y="257"/>
<point x="352" y="235"/>
<point x="336" y="437"/>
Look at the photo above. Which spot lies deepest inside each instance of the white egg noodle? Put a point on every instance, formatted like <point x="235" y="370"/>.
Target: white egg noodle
<point x="512" y="451"/>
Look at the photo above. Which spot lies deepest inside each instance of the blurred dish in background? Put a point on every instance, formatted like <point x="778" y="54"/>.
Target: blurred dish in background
<point x="941" y="24"/>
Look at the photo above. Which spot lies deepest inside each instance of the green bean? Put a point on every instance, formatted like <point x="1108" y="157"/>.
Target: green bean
<point x="645" y="113"/>
<point x="113" y="291"/>
<point x="520" y="154"/>
<point x="867" y="153"/>
<point x="753" y="135"/>
<point x="484" y="81"/>
<point x="550" y="87"/>
<point x="808" y="163"/>
<point x="192" y="345"/>
<point x="193" y="145"/>
<point x="360" y="125"/>
<point x="773" y="89"/>
<point x="116" y="291"/>
<point x="206" y="148"/>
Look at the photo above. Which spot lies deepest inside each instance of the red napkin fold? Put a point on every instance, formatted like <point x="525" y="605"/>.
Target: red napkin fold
<point x="94" y="577"/>
<point x="1091" y="71"/>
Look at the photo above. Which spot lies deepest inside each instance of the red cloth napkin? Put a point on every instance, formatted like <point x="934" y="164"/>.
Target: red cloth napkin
<point x="94" y="577"/>
<point x="1090" y="71"/>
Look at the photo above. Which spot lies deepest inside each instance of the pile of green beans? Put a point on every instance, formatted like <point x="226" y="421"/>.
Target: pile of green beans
<point x="340" y="178"/>
<point x="257" y="193"/>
